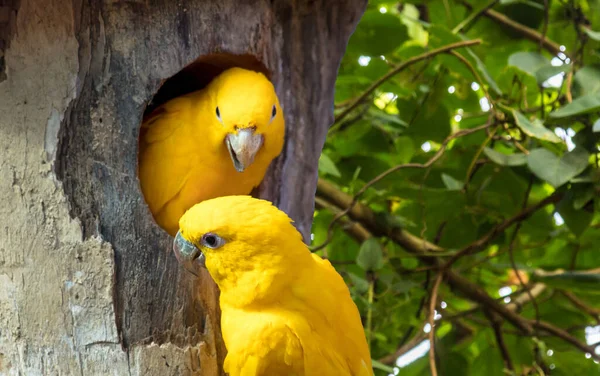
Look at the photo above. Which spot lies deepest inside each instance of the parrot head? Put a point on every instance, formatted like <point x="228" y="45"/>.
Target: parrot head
<point x="247" y="116"/>
<point x="237" y="238"/>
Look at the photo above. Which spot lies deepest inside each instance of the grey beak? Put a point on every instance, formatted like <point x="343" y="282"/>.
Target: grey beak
<point x="242" y="147"/>
<point x="188" y="254"/>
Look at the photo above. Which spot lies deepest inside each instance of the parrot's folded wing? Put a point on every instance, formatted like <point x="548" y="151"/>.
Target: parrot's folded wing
<point x="262" y="343"/>
<point x="163" y="121"/>
<point x="165" y="162"/>
<point x="337" y="319"/>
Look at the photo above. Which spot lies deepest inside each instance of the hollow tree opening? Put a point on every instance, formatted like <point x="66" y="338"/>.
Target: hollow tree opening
<point x="200" y="72"/>
<point x="210" y="131"/>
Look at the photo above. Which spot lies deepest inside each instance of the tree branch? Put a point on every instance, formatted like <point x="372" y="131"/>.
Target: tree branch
<point x="432" y="304"/>
<point x="482" y="242"/>
<point x="354" y="229"/>
<point x="476" y="75"/>
<point x="473" y="17"/>
<point x="397" y="69"/>
<point x="565" y="336"/>
<point x="594" y="312"/>
<point x="364" y="215"/>
<point x="525" y="31"/>
<point x="497" y="327"/>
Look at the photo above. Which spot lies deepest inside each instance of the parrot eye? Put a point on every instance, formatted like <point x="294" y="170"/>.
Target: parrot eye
<point x="211" y="240"/>
<point x="273" y="112"/>
<point x="218" y="115"/>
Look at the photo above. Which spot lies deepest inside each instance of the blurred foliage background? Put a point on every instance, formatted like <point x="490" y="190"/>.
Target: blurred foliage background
<point x="459" y="185"/>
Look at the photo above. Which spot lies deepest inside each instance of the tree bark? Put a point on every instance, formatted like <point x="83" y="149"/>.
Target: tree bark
<point x="88" y="284"/>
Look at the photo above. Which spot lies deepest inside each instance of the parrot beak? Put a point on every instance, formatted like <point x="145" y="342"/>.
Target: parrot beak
<point x="188" y="254"/>
<point x="243" y="147"/>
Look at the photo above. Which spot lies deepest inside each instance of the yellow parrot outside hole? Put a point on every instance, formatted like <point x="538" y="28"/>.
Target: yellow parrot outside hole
<point x="285" y="311"/>
<point x="214" y="142"/>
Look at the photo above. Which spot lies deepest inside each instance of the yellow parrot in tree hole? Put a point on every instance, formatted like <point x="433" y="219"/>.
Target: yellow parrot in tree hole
<point x="285" y="311"/>
<point x="214" y="142"/>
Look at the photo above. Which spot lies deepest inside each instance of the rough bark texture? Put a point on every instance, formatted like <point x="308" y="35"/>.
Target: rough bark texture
<point x="88" y="284"/>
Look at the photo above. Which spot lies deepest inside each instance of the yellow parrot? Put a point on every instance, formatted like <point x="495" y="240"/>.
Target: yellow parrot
<point x="285" y="311"/>
<point x="214" y="142"/>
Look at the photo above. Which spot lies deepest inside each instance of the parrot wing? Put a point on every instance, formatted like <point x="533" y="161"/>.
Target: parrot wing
<point x="336" y="319"/>
<point x="261" y="343"/>
<point x="165" y="164"/>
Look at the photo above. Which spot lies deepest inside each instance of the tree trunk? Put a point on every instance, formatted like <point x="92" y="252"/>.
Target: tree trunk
<point x="88" y="284"/>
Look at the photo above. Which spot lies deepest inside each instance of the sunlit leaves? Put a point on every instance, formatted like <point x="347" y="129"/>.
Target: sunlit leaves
<point x="534" y="128"/>
<point x="515" y="159"/>
<point x="580" y="106"/>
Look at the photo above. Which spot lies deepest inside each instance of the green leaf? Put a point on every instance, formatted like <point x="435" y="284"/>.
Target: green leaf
<point x="327" y="167"/>
<point x="595" y="35"/>
<point x="582" y="105"/>
<point x="372" y="36"/>
<point x="536" y="65"/>
<point x="360" y="284"/>
<point x="586" y="81"/>
<point x="516" y="159"/>
<point x="557" y="170"/>
<point x="513" y="82"/>
<point x="546" y="72"/>
<point x="484" y="72"/>
<point x="404" y="286"/>
<point x="534" y="129"/>
<point x="583" y="193"/>
<point x="529" y="62"/>
<point x="576" y="220"/>
<point x="451" y="183"/>
<point x="370" y="255"/>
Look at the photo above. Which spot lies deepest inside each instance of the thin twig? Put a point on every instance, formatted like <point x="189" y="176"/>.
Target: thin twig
<point x="470" y="171"/>
<point x="476" y="75"/>
<point x="354" y="229"/>
<point x="545" y="27"/>
<point x="594" y="312"/>
<point x="565" y="336"/>
<point x="497" y="327"/>
<point x="482" y="242"/>
<point x="473" y="17"/>
<point x="432" y="304"/>
<point x="400" y="67"/>
<point x="569" y="83"/>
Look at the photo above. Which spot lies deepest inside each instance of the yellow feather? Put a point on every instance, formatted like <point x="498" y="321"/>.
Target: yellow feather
<point x="183" y="156"/>
<point x="285" y="311"/>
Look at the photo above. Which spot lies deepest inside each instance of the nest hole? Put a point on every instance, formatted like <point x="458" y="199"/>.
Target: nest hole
<point x="196" y="76"/>
<point x="199" y="73"/>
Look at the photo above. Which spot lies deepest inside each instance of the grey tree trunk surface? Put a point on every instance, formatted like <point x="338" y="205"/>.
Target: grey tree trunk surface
<point x="88" y="284"/>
